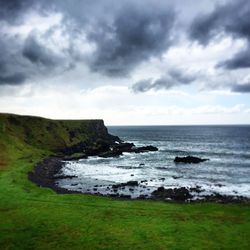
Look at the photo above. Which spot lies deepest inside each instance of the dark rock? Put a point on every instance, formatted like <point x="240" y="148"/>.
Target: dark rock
<point x="115" y="186"/>
<point x="64" y="176"/>
<point x="122" y="185"/>
<point x="123" y="147"/>
<point x="145" y="149"/>
<point x="77" y="148"/>
<point x="132" y="183"/>
<point x="125" y="196"/>
<point x="75" y="157"/>
<point x="196" y="189"/>
<point x="131" y="175"/>
<point x="219" y="185"/>
<point x="160" y="189"/>
<point x="104" y="148"/>
<point x="177" y="194"/>
<point x="102" y="145"/>
<point x="162" y="179"/>
<point x="114" y="195"/>
<point x="111" y="153"/>
<point x="176" y="177"/>
<point x="218" y="198"/>
<point x="189" y="159"/>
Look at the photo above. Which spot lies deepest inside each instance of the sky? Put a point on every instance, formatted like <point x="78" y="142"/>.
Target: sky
<point x="134" y="62"/>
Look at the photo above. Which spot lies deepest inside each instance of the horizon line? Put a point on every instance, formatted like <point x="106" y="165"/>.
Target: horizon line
<point x="162" y="125"/>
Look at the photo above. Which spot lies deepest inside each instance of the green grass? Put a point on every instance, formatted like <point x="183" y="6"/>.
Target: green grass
<point x="49" y="134"/>
<point x="37" y="218"/>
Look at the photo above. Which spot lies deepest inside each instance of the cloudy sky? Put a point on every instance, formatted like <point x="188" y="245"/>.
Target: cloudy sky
<point x="127" y="62"/>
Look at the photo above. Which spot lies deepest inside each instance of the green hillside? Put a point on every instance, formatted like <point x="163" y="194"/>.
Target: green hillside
<point x="17" y="133"/>
<point x="32" y="217"/>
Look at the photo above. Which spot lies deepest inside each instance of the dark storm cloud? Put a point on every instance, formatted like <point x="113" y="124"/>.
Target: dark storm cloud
<point x="12" y="10"/>
<point x="39" y="54"/>
<point x="240" y="60"/>
<point x="172" y="79"/>
<point x="21" y="61"/>
<point x="231" y="19"/>
<point x="241" y="88"/>
<point x="10" y="64"/>
<point x="16" y="78"/>
<point x="135" y="34"/>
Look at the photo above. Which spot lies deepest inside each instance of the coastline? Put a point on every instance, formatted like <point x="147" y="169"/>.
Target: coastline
<point x="46" y="172"/>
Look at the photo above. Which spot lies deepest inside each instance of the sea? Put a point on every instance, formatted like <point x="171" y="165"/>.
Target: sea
<point x="227" y="172"/>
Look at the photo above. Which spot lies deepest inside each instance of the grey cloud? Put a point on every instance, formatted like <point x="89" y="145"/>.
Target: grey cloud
<point x="39" y="54"/>
<point x="142" y="86"/>
<point x="15" y="79"/>
<point x="232" y="19"/>
<point x="241" y="88"/>
<point x="239" y="60"/>
<point x="135" y="34"/>
<point x="181" y="77"/>
<point x="171" y="79"/>
<point x="13" y="10"/>
<point x="10" y="63"/>
<point x="21" y="61"/>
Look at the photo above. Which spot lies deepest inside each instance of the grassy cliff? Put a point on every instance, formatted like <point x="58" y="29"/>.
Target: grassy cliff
<point x="18" y="133"/>
<point x="32" y="217"/>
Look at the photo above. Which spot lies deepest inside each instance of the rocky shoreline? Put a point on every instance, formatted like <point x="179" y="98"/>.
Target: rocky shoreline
<point x="47" y="173"/>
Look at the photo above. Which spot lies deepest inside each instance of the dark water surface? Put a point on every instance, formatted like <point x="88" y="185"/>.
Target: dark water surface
<point x="227" y="172"/>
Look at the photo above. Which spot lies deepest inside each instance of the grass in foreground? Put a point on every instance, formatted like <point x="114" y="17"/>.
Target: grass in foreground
<point x="37" y="218"/>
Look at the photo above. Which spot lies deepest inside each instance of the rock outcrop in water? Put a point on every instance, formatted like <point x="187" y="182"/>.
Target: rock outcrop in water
<point x="189" y="159"/>
<point x="118" y="149"/>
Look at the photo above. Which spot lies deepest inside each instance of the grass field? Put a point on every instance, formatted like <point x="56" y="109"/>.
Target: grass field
<point x="37" y="218"/>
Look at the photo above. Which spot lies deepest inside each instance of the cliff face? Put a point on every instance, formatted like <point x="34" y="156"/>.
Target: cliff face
<point x="50" y="135"/>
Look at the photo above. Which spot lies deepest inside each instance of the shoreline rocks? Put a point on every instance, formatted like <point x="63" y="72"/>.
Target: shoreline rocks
<point x="177" y="194"/>
<point x="47" y="172"/>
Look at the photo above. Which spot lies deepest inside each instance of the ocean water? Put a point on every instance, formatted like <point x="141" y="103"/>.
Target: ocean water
<point x="227" y="172"/>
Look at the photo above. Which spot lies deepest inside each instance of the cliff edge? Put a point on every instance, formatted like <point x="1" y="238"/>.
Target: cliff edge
<point x="19" y="132"/>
